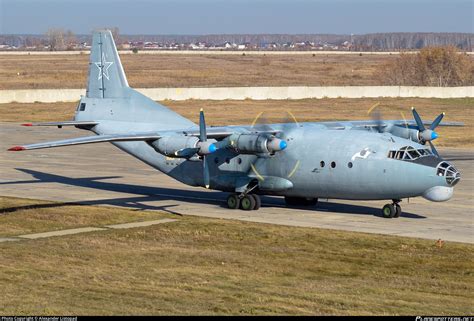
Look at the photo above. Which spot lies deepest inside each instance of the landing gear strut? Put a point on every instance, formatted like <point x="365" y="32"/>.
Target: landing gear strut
<point x="246" y="202"/>
<point x="393" y="210"/>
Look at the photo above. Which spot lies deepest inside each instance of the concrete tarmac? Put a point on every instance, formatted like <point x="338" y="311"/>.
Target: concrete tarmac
<point x="100" y="174"/>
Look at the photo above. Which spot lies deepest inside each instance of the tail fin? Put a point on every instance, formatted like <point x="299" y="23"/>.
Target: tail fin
<point x="106" y="76"/>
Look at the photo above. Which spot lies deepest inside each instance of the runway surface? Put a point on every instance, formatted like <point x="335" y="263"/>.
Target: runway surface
<point x="100" y="174"/>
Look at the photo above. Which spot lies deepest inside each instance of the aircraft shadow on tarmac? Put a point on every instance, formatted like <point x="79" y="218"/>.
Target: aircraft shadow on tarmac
<point x="147" y="194"/>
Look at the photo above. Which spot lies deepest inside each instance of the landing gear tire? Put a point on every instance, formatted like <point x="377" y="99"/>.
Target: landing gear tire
<point x="233" y="201"/>
<point x="398" y="211"/>
<point x="258" y="201"/>
<point x="247" y="203"/>
<point x="388" y="211"/>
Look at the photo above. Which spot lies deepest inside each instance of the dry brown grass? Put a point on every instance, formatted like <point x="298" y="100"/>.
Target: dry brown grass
<point x="23" y="216"/>
<point x="148" y="71"/>
<point x="231" y="112"/>
<point x="209" y="266"/>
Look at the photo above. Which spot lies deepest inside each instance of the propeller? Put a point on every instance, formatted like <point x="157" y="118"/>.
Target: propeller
<point x="427" y="134"/>
<point x="289" y="123"/>
<point x="205" y="148"/>
<point x="376" y="117"/>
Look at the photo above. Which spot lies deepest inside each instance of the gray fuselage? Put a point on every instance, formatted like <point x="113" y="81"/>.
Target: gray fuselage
<point x="319" y="162"/>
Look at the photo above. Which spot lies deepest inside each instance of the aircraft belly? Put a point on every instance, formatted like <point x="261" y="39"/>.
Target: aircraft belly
<point x="173" y="167"/>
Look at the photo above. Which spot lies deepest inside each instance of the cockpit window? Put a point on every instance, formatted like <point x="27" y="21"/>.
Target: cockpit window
<point x="409" y="153"/>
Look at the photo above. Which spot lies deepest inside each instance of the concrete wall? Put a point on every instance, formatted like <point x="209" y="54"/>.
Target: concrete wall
<point x="240" y="93"/>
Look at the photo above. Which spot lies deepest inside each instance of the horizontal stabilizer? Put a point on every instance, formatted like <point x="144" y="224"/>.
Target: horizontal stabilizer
<point x="90" y="140"/>
<point x="65" y="123"/>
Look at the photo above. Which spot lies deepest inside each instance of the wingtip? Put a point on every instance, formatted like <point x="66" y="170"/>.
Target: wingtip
<point x="16" y="148"/>
<point x="27" y="124"/>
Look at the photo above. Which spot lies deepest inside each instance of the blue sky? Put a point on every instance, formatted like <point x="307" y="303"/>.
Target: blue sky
<point x="237" y="16"/>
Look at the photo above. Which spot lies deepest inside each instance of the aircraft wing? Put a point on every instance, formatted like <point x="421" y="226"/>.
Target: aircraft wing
<point x="65" y="123"/>
<point x="384" y="123"/>
<point x="428" y="123"/>
<point x="90" y="140"/>
<point x="221" y="132"/>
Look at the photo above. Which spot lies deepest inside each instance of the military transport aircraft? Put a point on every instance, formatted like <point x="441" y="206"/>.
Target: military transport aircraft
<point x="354" y="160"/>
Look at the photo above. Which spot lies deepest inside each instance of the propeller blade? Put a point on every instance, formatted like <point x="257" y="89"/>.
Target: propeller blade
<point x="377" y="117"/>
<point x="261" y="122"/>
<point x="205" y="172"/>
<point x="433" y="149"/>
<point x="202" y="126"/>
<point x="437" y="121"/>
<point x="203" y="139"/>
<point x="418" y="121"/>
<point x="288" y="124"/>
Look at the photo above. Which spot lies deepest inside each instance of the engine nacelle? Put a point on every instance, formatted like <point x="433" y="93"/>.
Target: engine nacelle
<point x="176" y="146"/>
<point x="407" y="133"/>
<point x="256" y="143"/>
<point x="183" y="146"/>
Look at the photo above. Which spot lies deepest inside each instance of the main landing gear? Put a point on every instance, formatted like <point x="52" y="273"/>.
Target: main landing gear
<point x="392" y="210"/>
<point x="246" y="202"/>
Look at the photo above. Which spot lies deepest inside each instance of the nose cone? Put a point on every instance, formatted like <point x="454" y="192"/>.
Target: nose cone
<point x="438" y="193"/>
<point x="212" y="148"/>
<point x="434" y="135"/>
<point x="276" y="144"/>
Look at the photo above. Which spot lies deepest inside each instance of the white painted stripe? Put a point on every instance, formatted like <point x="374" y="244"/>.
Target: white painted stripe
<point x="85" y="230"/>
<point x="60" y="233"/>
<point x="8" y="239"/>
<point x="140" y="224"/>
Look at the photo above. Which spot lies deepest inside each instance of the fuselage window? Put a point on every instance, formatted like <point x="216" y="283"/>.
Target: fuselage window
<point x="409" y="153"/>
<point x="227" y="160"/>
<point x="400" y="155"/>
<point x="349" y="164"/>
<point x="322" y="164"/>
<point x="82" y="107"/>
<point x="333" y="164"/>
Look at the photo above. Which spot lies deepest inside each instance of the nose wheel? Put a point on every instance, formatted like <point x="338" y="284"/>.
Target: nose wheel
<point x="393" y="210"/>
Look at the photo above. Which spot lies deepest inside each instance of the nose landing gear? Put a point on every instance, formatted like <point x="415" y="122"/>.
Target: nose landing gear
<point x="393" y="210"/>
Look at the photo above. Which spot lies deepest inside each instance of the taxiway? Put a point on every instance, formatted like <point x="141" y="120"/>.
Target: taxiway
<point x="100" y="174"/>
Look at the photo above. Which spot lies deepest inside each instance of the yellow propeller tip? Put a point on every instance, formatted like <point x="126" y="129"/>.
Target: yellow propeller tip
<point x="207" y="186"/>
<point x="412" y="108"/>
<point x="444" y="113"/>
<point x="201" y="109"/>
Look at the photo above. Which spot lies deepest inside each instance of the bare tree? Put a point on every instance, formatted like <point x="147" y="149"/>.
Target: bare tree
<point x="432" y="66"/>
<point x="70" y="40"/>
<point x="55" y="39"/>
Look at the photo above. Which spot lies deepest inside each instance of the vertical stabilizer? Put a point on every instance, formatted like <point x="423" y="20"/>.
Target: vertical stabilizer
<point x="106" y="76"/>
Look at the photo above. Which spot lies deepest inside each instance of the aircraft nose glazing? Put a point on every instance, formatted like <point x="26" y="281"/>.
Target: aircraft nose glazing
<point x="451" y="174"/>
